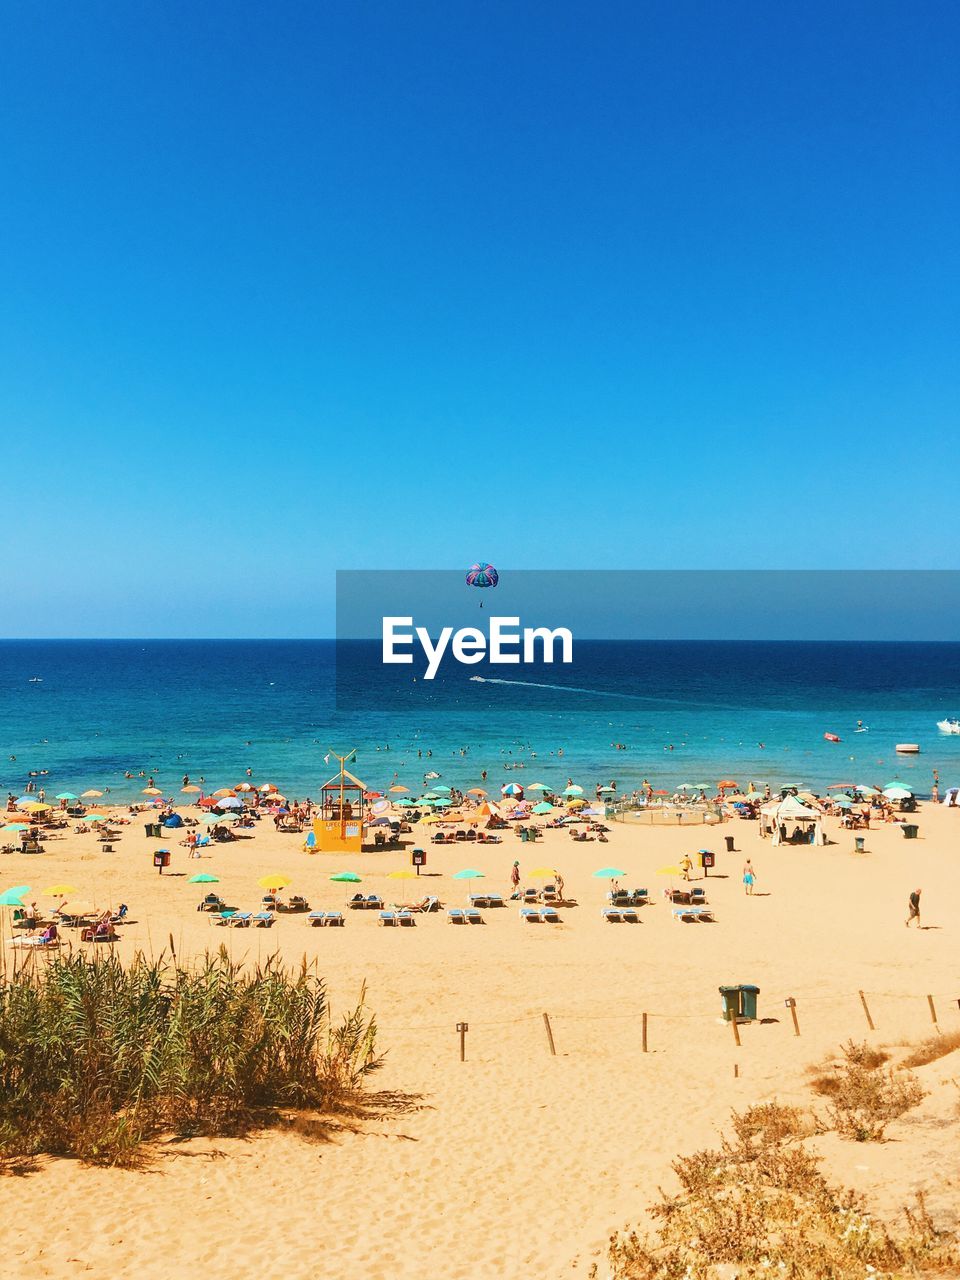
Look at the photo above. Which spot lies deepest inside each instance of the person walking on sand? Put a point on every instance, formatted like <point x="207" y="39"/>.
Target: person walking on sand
<point x="913" y="906"/>
<point x="558" y="882"/>
<point x="686" y="865"/>
<point x="515" y="880"/>
<point x="749" y="877"/>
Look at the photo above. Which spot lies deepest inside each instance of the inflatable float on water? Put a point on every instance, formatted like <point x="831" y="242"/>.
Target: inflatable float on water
<point x="832" y="737"/>
<point x="908" y="748"/>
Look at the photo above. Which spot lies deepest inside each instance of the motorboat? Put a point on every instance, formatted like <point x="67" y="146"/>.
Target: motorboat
<point x="951" y="725"/>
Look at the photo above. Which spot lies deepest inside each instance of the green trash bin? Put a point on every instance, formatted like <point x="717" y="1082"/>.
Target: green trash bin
<point x="731" y="1002"/>
<point x="748" y="1001"/>
<point x="859" y="841"/>
<point x="910" y="831"/>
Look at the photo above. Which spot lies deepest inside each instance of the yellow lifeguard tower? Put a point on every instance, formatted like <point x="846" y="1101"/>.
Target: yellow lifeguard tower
<point x="339" y="828"/>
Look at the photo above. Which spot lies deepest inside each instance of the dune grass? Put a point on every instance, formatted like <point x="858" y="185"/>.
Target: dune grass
<point x="98" y="1058"/>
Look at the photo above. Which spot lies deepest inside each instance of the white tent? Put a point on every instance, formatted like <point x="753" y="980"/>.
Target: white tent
<point x="791" y="821"/>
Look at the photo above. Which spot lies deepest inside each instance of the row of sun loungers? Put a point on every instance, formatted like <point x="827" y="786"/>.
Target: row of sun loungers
<point x="543" y="915"/>
<point x="243" y="919"/>
<point x="692" y="915"/>
<point x="620" y="915"/>
<point x="628" y="898"/>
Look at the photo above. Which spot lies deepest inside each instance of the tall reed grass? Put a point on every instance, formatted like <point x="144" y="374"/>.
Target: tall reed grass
<point x="98" y="1058"/>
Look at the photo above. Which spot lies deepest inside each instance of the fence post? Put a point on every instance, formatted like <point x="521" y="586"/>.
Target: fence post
<point x="866" y="1010"/>
<point x="791" y="1004"/>
<point x="463" y="1029"/>
<point x="546" y="1023"/>
<point x="933" y="1012"/>
<point x="643" y="1026"/>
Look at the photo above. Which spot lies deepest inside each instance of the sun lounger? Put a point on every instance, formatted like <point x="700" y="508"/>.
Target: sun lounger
<point x="334" y="919"/>
<point x="357" y="902"/>
<point x="495" y="900"/>
<point x="692" y="915"/>
<point x="264" y="920"/>
<point x="374" y="902"/>
<point x="612" y="915"/>
<point x="455" y="915"/>
<point x="388" y="917"/>
<point x="239" y="919"/>
<point x="406" y="917"/>
<point x="629" y="915"/>
<point x="529" y="915"/>
<point x="212" y="903"/>
<point x="48" y="938"/>
<point x="549" y="915"/>
<point x="531" y="895"/>
<point x="641" y="897"/>
<point x="698" y="897"/>
<point x="479" y="900"/>
<point x="472" y="915"/>
<point x="297" y="903"/>
<point x="316" y="919"/>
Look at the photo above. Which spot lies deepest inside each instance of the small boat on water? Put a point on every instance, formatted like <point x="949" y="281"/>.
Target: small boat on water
<point x="908" y="748"/>
<point x="950" y="725"/>
<point x="832" y="737"/>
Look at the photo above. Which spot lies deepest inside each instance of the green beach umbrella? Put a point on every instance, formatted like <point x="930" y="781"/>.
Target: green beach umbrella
<point x="204" y="878"/>
<point x="67" y="795"/>
<point x="895" y="782"/>
<point x="609" y="873"/>
<point x="542" y="807"/>
<point x="537" y="786"/>
<point x="16" y="826"/>
<point x="96" y="817"/>
<point x="573" y="790"/>
<point x="11" y="897"/>
<point x="842" y="802"/>
<point x="346" y="877"/>
<point x="441" y="791"/>
<point x="469" y="873"/>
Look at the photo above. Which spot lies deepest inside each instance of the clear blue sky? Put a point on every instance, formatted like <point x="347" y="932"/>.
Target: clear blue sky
<point x="301" y="286"/>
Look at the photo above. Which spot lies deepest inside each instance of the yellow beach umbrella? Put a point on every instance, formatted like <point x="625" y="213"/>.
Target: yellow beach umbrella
<point x="402" y="875"/>
<point x="432" y="818"/>
<point x="91" y="795"/>
<point x="273" y="882"/>
<point x="148" y="791"/>
<point x="59" y="891"/>
<point x="668" y="871"/>
<point x="542" y="873"/>
<point x="576" y="804"/>
<point x="34" y="806"/>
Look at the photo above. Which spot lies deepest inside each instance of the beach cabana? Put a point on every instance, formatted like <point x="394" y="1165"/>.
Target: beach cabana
<point x="790" y="821"/>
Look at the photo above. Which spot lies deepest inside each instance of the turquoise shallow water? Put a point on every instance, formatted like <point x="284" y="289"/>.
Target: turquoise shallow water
<point x="88" y="711"/>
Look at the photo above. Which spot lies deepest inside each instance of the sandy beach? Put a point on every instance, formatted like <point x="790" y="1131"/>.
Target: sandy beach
<point x="514" y="1161"/>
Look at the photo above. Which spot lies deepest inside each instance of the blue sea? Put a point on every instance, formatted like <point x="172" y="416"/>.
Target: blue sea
<point x="89" y="712"/>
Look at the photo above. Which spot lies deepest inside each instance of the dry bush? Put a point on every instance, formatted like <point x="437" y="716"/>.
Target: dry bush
<point x="761" y="1207"/>
<point x="932" y="1049"/>
<point x="865" y="1100"/>
<point x="861" y="1054"/>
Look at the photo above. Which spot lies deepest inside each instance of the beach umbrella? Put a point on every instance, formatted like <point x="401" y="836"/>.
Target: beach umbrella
<point x="488" y="809"/>
<point x="442" y="791"/>
<point x="16" y="826"/>
<point x="379" y="822"/>
<point x="35" y="807"/>
<point x="212" y="819"/>
<point x="542" y="807"/>
<point x="668" y="871"/>
<point x="469" y="873"/>
<point x="346" y="877"/>
<point x="511" y="789"/>
<point x="225" y="791"/>
<point x="380" y="806"/>
<point x="24" y="801"/>
<point x="59" y="891"/>
<point x="373" y="795"/>
<point x="841" y="786"/>
<point x="10" y="899"/>
<point x="576" y="804"/>
<point x="476" y="791"/>
<point x="895" y="782"/>
<point x="151" y="791"/>
<point x="96" y="817"/>
<point x="275" y="881"/>
<point x="407" y="804"/>
<point x="573" y="790"/>
<point x="609" y="873"/>
<point x="538" y="786"/>
<point x="398" y="790"/>
<point x="897" y="793"/>
<point x="204" y="878"/>
<point x="402" y="875"/>
<point x="230" y="802"/>
<point x="726" y="782"/>
<point x="91" y="795"/>
<point x="244" y="786"/>
<point x="190" y="791"/>
<point x="268" y="786"/>
<point x="843" y="802"/>
<point x="865" y="790"/>
<point x="67" y="795"/>
<point x="607" y="791"/>
<point x="542" y="873"/>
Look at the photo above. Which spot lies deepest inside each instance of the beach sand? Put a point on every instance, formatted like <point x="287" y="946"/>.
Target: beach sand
<point x="513" y="1162"/>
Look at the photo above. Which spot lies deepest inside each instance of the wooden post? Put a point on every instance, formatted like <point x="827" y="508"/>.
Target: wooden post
<point x="933" y="1011"/>
<point x="792" y="1006"/>
<point x="463" y="1029"/>
<point x="736" y="1030"/>
<point x="546" y="1023"/>
<point x="736" y="1071"/>
<point x="866" y="1010"/>
<point x="643" y="1030"/>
